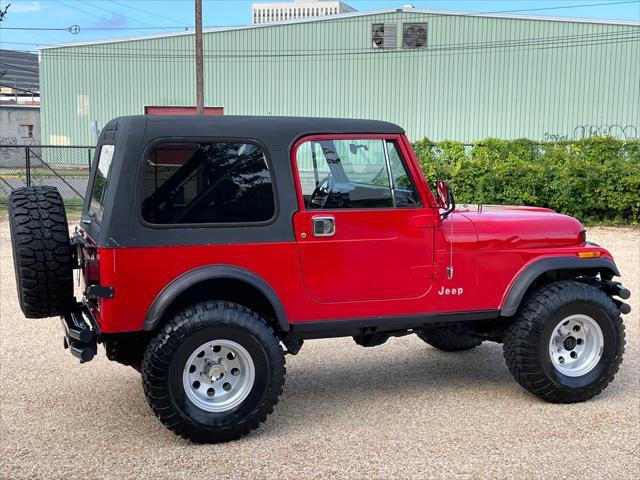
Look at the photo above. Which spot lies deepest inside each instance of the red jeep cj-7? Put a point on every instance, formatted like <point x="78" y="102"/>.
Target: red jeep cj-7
<point x="209" y="246"/>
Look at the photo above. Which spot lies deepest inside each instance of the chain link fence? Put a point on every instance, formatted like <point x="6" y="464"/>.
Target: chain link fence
<point x="64" y="167"/>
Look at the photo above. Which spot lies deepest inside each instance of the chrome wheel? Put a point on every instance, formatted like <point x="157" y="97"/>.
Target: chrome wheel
<point x="218" y="375"/>
<point x="576" y="345"/>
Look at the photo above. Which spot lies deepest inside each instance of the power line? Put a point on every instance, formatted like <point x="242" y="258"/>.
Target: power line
<point x="126" y="5"/>
<point x="101" y="17"/>
<point x="311" y="19"/>
<point x="92" y="28"/>
<point x="35" y="28"/>
<point x="24" y="43"/>
<point x="17" y="67"/>
<point x="123" y="48"/>
<point x="579" y="36"/>
<point x="32" y="92"/>
<point x="540" y="9"/>
<point x="433" y="51"/>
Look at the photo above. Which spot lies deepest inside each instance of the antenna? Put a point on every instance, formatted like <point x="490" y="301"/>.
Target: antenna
<point x="450" y="267"/>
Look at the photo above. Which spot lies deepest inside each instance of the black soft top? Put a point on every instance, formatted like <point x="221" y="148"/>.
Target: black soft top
<point x="121" y="225"/>
<point x="272" y="131"/>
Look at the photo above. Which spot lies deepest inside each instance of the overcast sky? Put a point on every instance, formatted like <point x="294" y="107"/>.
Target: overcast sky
<point x="126" y="18"/>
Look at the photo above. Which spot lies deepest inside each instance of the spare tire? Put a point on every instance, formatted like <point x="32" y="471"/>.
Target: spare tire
<point x="42" y="253"/>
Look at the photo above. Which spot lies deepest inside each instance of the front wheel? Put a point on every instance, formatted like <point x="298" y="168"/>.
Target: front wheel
<point x="214" y="372"/>
<point x="567" y="342"/>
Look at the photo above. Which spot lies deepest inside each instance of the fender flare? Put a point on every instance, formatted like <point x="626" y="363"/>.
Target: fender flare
<point x="526" y="277"/>
<point x="200" y="274"/>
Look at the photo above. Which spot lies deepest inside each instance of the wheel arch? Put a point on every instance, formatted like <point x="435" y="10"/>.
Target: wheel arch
<point x="569" y="267"/>
<point x="199" y="280"/>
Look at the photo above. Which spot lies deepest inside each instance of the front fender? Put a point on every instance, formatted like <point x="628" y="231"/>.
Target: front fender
<point x="531" y="272"/>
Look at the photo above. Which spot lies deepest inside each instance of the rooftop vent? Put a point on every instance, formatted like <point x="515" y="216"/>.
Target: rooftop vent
<point x="384" y="35"/>
<point x="414" y="35"/>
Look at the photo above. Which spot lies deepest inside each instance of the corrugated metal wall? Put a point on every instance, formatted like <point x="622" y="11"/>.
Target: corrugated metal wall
<point x="479" y="77"/>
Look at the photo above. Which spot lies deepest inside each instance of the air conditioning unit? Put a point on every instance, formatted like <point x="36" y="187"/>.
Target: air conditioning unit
<point x="384" y="35"/>
<point x="414" y="35"/>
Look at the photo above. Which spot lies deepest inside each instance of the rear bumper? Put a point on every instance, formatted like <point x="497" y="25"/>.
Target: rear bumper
<point x="81" y="333"/>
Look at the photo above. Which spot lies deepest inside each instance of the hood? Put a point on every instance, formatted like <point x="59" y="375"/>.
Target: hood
<point x="506" y="227"/>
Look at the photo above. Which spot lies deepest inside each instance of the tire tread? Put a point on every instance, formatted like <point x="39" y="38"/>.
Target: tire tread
<point x="41" y="251"/>
<point x="522" y="338"/>
<point x="157" y="358"/>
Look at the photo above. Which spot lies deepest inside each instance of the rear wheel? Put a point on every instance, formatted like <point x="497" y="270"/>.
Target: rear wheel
<point x="449" y="339"/>
<point x="42" y="254"/>
<point x="566" y="343"/>
<point x="214" y="372"/>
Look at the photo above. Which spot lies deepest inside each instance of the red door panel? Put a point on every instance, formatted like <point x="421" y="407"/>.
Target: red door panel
<point x="373" y="255"/>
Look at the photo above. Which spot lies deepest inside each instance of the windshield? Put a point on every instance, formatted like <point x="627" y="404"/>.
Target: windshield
<point x="103" y="171"/>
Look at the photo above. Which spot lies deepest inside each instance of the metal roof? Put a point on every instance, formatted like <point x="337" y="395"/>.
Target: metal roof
<point x="19" y="70"/>
<point x="330" y="18"/>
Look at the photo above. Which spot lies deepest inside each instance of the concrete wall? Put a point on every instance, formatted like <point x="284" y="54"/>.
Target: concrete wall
<point x="11" y="117"/>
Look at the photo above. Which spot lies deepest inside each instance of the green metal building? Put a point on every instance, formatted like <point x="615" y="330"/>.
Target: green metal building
<point x="441" y="75"/>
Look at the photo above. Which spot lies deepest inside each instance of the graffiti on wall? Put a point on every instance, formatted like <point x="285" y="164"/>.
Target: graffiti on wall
<point x="626" y="132"/>
<point x="554" y="137"/>
<point x="621" y="132"/>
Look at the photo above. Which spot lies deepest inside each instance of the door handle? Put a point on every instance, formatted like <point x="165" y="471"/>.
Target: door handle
<point x="324" y="226"/>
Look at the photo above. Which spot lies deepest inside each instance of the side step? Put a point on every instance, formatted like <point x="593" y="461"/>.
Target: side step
<point x="79" y="337"/>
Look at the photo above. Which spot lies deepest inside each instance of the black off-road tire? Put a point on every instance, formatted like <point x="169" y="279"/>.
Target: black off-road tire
<point x="526" y="341"/>
<point x="166" y="356"/>
<point x="448" y="339"/>
<point x="42" y="253"/>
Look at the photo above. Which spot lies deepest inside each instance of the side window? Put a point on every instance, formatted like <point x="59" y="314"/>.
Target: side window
<point x="207" y="182"/>
<point x="403" y="188"/>
<point x="103" y="173"/>
<point x="344" y="174"/>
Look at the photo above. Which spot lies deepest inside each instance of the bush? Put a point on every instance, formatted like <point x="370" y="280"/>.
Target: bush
<point x="595" y="180"/>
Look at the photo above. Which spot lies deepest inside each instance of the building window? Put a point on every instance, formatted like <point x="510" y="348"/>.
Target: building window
<point x="26" y="131"/>
<point x="207" y="182"/>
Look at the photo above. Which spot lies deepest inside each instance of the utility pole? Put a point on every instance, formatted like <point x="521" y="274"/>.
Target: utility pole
<point x="199" y="67"/>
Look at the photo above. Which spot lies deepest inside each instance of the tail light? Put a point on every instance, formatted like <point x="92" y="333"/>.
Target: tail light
<point x="91" y="271"/>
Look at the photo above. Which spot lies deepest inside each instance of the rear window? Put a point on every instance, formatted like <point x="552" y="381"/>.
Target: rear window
<point x="96" y="207"/>
<point x="207" y="182"/>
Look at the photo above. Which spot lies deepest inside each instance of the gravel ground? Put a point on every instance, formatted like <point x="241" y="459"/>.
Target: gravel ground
<point x="401" y="410"/>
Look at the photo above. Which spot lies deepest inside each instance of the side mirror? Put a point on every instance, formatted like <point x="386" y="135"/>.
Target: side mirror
<point x="444" y="198"/>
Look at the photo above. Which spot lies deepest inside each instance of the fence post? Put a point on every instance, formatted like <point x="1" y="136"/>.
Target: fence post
<point x="27" y="161"/>
<point x="89" y="157"/>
